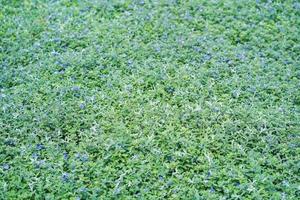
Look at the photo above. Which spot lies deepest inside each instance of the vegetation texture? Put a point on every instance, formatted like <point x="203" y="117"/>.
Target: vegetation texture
<point x="161" y="99"/>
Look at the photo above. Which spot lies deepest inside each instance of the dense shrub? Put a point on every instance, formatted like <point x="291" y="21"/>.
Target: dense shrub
<point x="162" y="99"/>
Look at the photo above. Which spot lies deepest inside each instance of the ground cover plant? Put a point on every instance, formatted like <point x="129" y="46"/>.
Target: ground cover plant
<point x="161" y="99"/>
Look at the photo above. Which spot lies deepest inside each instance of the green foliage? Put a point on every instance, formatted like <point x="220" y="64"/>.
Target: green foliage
<point x="161" y="99"/>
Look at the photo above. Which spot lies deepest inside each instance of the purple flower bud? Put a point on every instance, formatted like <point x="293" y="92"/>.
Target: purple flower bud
<point x="75" y="88"/>
<point x="207" y="57"/>
<point x="6" y="166"/>
<point x="84" y="158"/>
<point x="161" y="178"/>
<point x="66" y="155"/>
<point x="40" y="163"/>
<point x="77" y="155"/>
<point x="35" y="156"/>
<point x="208" y="174"/>
<point x="82" y="106"/>
<point x="130" y="62"/>
<point x="39" y="147"/>
<point x="83" y="189"/>
<point x="65" y="177"/>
